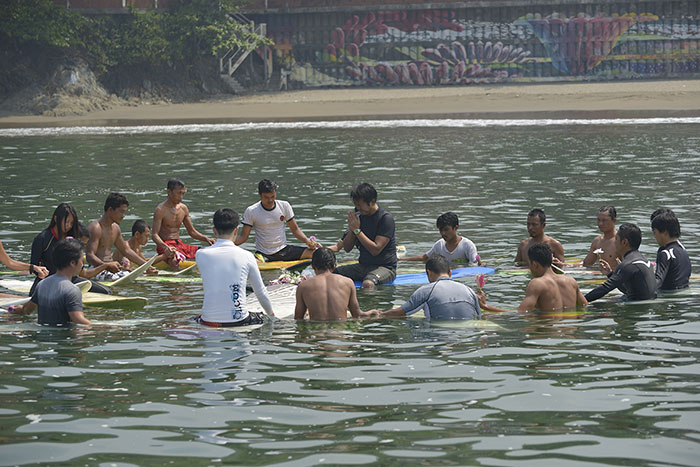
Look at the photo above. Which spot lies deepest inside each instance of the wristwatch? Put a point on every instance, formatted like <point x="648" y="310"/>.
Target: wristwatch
<point x="356" y="232"/>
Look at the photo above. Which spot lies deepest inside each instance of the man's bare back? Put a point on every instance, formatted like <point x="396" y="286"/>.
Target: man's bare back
<point x="556" y="246"/>
<point x="555" y="292"/>
<point x="327" y="297"/>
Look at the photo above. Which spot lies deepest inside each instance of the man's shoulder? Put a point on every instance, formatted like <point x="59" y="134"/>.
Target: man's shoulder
<point x="551" y="240"/>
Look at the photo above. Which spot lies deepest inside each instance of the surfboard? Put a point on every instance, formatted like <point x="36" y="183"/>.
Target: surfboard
<point x="266" y="266"/>
<point x="89" y="298"/>
<point x="131" y="277"/>
<point x="183" y="265"/>
<point x="419" y="278"/>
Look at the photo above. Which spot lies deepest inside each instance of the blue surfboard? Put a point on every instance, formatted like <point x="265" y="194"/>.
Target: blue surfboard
<point x="419" y="278"/>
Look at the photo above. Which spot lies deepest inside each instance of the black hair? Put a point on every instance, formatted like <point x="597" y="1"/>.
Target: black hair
<point x="541" y="253"/>
<point x="437" y="264"/>
<point x="631" y="233"/>
<point x="364" y="192"/>
<point x="67" y="250"/>
<point x="537" y="212"/>
<point x="449" y="218"/>
<point x="225" y="221"/>
<point x="667" y="222"/>
<point x="62" y="211"/>
<point x="610" y="210"/>
<point x="115" y="201"/>
<point x="83" y="231"/>
<point x="323" y="259"/>
<point x="139" y="226"/>
<point x="660" y="211"/>
<point x="267" y="186"/>
<point x="174" y="183"/>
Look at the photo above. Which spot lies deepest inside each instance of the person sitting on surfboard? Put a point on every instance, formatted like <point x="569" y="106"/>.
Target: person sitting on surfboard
<point x="607" y="215"/>
<point x="140" y="234"/>
<point x="634" y="276"/>
<point x="672" y="260"/>
<point x="168" y="217"/>
<point x="536" y="221"/>
<point x="372" y="230"/>
<point x="547" y="291"/>
<point x="452" y="246"/>
<point x="326" y="296"/>
<point x="268" y="217"/>
<point x="226" y="270"/>
<point x="105" y="233"/>
<point x="442" y="299"/>
<point x="60" y="301"/>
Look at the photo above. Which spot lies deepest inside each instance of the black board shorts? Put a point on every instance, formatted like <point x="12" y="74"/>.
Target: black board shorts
<point x="253" y="318"/>
<point x="288" y="253"/>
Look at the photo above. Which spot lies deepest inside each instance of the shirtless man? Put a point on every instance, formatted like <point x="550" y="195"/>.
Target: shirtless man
<point x="606" y="240"/>
<point x="105" y="233"/>
<point x="140" y="234"/>
<point x="536" y="221"/>
<point x="167" y="219"/>
<point x="547" y="291"/>
<point x="327" y="296"/>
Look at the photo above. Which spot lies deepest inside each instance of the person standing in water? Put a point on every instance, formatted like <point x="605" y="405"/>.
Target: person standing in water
<point x="607" y="216"/>
<point x="536" y="221"/>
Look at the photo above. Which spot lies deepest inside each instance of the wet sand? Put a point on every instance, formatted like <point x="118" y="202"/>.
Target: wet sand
<point x="634" y="99"/>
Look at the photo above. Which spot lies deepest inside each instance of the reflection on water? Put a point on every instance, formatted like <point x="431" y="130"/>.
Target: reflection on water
<point x="614" y="385"/>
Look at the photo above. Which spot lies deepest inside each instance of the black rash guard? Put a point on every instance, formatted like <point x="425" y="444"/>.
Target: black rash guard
<point x="672" y="267"/>
<point x="634" y="276"/>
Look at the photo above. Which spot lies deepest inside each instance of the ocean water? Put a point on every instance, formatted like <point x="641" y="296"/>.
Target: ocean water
<point x="614" y="385"/>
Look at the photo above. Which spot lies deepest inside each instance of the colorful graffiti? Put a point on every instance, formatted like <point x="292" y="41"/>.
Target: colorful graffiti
<point x="434" y="47"/>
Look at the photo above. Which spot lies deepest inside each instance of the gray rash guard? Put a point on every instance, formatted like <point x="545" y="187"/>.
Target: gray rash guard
<point x="444" y="299"/>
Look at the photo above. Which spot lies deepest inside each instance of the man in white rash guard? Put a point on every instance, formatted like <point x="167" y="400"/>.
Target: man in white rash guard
<point x="226" y="269"/>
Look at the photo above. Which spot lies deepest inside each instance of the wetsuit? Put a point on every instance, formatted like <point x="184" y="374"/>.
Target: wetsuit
<point x="634" y="276"/>
<point x="672" y="267"/>
<point x="42" y="255"/>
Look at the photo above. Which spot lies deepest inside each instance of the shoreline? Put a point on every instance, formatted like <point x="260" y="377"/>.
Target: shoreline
<point x="583" y="100"/>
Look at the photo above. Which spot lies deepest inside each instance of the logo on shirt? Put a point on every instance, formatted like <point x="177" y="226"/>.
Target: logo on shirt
<point x="645" y="263"/>
<point x="237" y="312"/>
<point x="281" y="218"/>
<point x="669" y="254"/>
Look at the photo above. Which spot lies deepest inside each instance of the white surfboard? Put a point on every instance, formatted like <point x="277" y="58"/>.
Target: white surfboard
<point x="131" y="277"/>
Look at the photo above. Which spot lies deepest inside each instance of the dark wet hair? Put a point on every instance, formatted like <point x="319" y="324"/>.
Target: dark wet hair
<point x="323" y="259"/>
<point x="267" y="186"/>
<point x="449" y="218"/>
<point x="364" y="192"/>
<point x="610" y="210"/>
<point x="226" y="220"/>
<point x="667" y="222"/>
<point x="175" y="183"/>
<point x="631" y="233"/>
<point x="537" y="212"/>
<point x="139" y="226"/>
<point x="437" y="264"/>
<point x="660" y="211"/>
<point x="62" y="211"/>
<point x="67" y="250"/>
<point x="115" y="201"/>
<point x="83" y="231"/>
<point x="541" y="253"/>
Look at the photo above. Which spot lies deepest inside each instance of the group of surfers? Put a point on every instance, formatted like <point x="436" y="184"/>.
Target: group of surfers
<point x="227" y="269"/>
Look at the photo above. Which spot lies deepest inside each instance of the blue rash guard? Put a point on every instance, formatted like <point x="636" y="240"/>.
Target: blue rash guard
<point x="672" y="267"/>
<point x="634" y="276"/>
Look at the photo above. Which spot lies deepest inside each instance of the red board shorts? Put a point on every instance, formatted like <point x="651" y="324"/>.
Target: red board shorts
<point x="188" y="250"/>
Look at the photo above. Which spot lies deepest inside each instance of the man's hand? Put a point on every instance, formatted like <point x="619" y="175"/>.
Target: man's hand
<point x="481" y="295"/>
<point x="605" y="267"/>
<point x="353" y="221"/>
<point x="370" y="314"/>
<point x="113" y="266"/>
<point x="41" y="271"/>
<point x="210" y="241"/>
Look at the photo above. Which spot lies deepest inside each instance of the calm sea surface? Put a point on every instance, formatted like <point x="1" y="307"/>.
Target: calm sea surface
<point x="616" y="385"/>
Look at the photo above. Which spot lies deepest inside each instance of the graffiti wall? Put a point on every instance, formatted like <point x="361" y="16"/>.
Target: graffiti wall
<point x="423" y="47"/>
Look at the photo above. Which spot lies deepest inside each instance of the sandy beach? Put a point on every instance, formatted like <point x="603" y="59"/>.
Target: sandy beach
<point x="640" y="99"/>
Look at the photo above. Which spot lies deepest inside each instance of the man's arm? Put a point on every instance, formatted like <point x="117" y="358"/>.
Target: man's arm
<point x="558" y="251"/>
<point x="481" y="295"/>
<point x="25" y="309"/>
<point x="243" y="235"/>
<point x="259" y="288"/>
<point x="580" y="299"/>
<point x="519" y="255"/>
<point x="591" y="257"/>
<point x="300" y="307"/>
<point x="194" y="233"/>
<point x="299" y="235"/>
<point x="532" y="295"/>
<point x="78" y="317"/>
<point x="662" y="266"/>
<point x="615" y="280"/>
<point x="93" y="242"/>
<point x="423" y="258"/>
<point x="92" y="272"/>
<point x="125" y="249"/>
<point x="155" y="233"/>
<point x="353" y="304"/>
